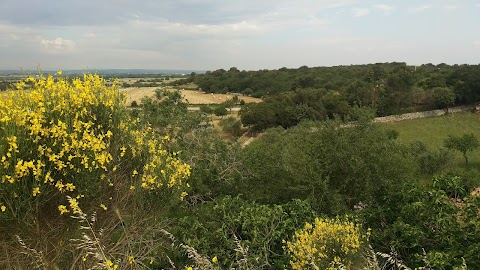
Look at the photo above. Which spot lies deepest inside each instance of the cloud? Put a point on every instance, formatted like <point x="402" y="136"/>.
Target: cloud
<point x="476" y="43"/>
<point x="385" y="9"/>
<point x="417" y="9"/>
<point x="360" y="12"/>
<point x="111" y="12"/>
<point x="58" y="44"/>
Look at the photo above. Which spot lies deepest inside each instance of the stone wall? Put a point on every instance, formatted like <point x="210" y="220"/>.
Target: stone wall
<point x="415" y="115"/>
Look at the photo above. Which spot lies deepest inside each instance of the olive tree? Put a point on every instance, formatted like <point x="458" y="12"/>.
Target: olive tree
<point x="464" y="144"/>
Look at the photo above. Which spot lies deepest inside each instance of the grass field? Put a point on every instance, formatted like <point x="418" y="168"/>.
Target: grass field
<point x="433" y="131"/>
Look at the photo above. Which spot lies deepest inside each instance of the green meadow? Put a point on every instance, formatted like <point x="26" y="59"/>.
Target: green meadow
<point x="433" y="130"/>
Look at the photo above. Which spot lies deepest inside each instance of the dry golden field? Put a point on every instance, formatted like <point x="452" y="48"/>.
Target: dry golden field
<point x="191" y="96"/>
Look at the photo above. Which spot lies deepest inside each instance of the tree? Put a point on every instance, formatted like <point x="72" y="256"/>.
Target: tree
<point x="168" y="114"/>
<point x="443" y="97"/>
<point x="232" y="126"/>
<point x="464" y="143"/>
<point x="220" y="111"/>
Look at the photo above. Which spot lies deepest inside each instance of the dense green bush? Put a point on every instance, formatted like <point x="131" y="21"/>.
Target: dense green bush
<point x="435" y="226"/>
<point x="213" y="227"/>
<point x="336" y="168"/>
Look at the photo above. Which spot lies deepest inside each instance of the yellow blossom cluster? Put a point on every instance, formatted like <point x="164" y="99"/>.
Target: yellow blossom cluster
<point x="325" y="244"/>
<point x="163" y="169"/>
<point x="71" y="135"/>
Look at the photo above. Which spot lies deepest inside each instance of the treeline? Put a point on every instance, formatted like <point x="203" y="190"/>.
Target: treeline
<point x="4" y="85"/>
<point x="387" y="88"/>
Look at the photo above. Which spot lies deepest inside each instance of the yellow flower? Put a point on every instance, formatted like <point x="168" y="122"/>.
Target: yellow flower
<point x="35" y="191"/>
<point x="123" y="149"/>
<point x="189" y="268"/>
<point x="214" y="259"/>
<point x="103" y="207"/>
<point x="3" y="208"/>
<point x="69" y="187"/>
<point x="132" y="187"/>
<point x="63" y="209"/>
<point x="74" y="205"/>
<point x="59" y="72"/>
<point x="108" y="264"/>
<point x="131" y="259"/>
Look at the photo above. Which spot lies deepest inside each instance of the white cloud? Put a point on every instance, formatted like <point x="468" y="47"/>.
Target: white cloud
<point x="359" y="12"/>
<point x="385" y="9"/>
<point x="58" y="44"/>
<point x="243" y="28"/>
<point x="476" y="43"/>
<point x="417" y="9"/>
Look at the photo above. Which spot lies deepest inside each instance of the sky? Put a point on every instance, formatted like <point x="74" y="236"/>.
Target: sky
<point x="247" y="34"/>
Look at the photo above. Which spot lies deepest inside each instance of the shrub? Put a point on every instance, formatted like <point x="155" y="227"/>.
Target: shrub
<point x="231" y="126"/>
<point x="206" y="109"/>
<point x="74" y="137"/>
<point x="408" y="220"/>
<point x="327" y="244"/>
<point x="214" y="227"/>
<point x="220" y="111"/>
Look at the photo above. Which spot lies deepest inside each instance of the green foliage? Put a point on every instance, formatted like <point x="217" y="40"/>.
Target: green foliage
<point x="284" y="110"/>
<point x="231" y="126"/>
<point x="335" y="168"/>
<point x="216" y="164"/>
<point x="466" y="83"/>
<point x="220" y="111"/>
<point x="441" y="220"/>
<point x="430" y="161"/>
<point x="134" y="104"/>
<point x="168" y="114"/>
<point x="206" y="109"/>
<point x="464" y="144"/>
<point x="387" y="87"/>
<point x="443" y="97"/>
<point x="211" y="228"/>
<point x="5" y="85"/>
<point x="431" y="132"/>
<point x="397" y="93"/>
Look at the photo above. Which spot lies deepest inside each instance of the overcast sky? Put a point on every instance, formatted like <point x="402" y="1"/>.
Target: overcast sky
<point x="247" y="34"/>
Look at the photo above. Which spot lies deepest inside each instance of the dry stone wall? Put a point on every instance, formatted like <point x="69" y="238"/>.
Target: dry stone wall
<point x="415" y="115"/>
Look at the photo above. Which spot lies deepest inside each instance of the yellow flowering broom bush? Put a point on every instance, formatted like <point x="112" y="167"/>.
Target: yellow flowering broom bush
<point x="327" y="244"/>
<point x="61" y="136"/>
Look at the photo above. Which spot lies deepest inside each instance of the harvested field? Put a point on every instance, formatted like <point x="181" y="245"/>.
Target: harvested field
<point x="193" y="97"/>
